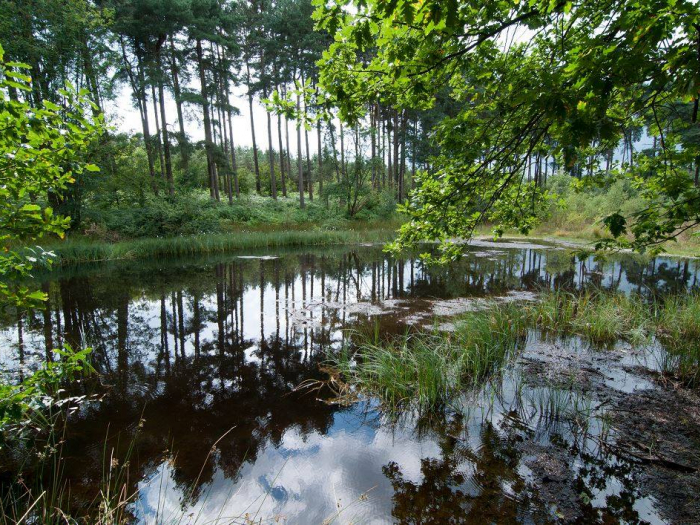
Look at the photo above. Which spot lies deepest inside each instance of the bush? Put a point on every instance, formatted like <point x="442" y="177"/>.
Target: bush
<point x="584" y="211"/>
<point x="195" y="213"/>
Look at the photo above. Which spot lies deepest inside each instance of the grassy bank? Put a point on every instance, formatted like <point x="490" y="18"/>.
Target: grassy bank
<point x="426" y="370"/>
<point x="81" y="249"/>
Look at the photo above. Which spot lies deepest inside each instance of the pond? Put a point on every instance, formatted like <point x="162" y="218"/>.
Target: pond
<point x="200" y="360"/>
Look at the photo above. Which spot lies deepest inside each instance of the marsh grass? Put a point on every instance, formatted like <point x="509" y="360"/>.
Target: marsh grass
<point x="426" y="370"/>
<point x="604" y="318"/>
<point x="601" y="317"/>
<point x="83" y="250"/>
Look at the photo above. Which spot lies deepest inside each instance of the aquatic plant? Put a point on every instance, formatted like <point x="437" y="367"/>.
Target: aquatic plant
<point x="428" y="369"/>
<point x="601" y="317"/>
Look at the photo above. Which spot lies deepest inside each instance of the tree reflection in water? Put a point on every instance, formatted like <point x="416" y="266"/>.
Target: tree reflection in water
<point x="197" y="348"/>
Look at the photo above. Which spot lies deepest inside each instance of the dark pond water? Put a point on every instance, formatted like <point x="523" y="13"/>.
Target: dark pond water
<point x="200" y="352"/>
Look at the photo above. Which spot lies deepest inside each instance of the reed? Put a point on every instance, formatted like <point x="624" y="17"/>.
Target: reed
<point x="426" y="370"/>
<point x="84" y="251"/>
<point x="601" y="317"/>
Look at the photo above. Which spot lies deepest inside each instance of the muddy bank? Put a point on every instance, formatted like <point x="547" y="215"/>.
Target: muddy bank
<point x="631" y="423"/>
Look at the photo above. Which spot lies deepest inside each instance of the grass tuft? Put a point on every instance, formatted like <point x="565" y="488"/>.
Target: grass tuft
<point x="599" y="316"/>
<point x="426" y="370"/>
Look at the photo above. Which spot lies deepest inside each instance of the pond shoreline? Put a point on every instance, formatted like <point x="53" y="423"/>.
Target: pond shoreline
<point x="82" y="249"/>
<point x="85" y="250"/>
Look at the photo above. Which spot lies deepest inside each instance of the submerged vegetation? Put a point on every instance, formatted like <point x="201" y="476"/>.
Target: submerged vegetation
<point x="429" y="369"/>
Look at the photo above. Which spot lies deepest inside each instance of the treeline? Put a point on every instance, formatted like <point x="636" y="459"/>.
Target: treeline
<point x="197" y="54"/>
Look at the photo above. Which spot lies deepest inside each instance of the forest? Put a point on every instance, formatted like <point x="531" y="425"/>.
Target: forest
<point x="349" y="261"/>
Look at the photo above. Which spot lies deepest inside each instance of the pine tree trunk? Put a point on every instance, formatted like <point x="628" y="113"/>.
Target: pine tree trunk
<point x="300" y="171"/>
<point x="138" y="87"/>
<point x="373" y="123"/>
<point x="252" y="131"/>
<point x="271" y="154"/>
<point x="342" y="152"/>
<point x="396" y="154"/>
<point x="320" y="159"/>
<point x="164" y="127"/>
<point x="208" y="144"/>
<point x="389" y="166"/>
<point x="282" y="159"/>
<point x="159" y="147"/>
<point x="182" y="137"/>
<point x="289" y="151"/>
<point x="234" y="167"/>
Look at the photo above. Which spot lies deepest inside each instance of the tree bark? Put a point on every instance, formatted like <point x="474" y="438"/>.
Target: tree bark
<point x="208" y="144"/>
<point x="283" y="174"/>
<point x="320" y="159"/>
<point x="300" y="171"/>
<point x="271" y="154"/>
<point x="252" y="130"/>
<point x="164" y="127"/>
<point x="182" y="137"/>
<point x="159" y="147"/>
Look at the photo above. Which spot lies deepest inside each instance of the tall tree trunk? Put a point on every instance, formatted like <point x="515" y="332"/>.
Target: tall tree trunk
<point x="320" y="159"/>
<point x="208" y="144"/>
<point x="159" y="147"/>
<point x="389" y="167"/>
<point x="383" y="152"/>
<point x="342" y="152"/>
<point x="271" y="154"/>
<point x="229" y="188"/>
<point x="413" y="152"/>
<point x="137" y="85"/>
<point x="164" y="127"/>
<point x="402" y="165"/>
<point x="335" y="151"/>
<point x="396" y="154"/>
<point x="252" y="130"/>
<point x="182" y="137"/>
<point x="289" y="151"/>
<point x="300" y="171"/>
<point x="223" y="128"/>
<point x="283" y="173"/>
<point x="234" y="167"/>
<point x="373" y="129"/>
<point x="309" y="178"/>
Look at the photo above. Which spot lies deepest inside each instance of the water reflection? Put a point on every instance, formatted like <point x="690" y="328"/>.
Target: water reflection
<point x="194" y="350"/>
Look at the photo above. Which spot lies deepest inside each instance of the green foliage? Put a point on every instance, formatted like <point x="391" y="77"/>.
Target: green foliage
<point x="586" y="75"/>
<point x="27" y="407"/>
<point x="583" y="211"/>
<point x="42" y="150"/>
<point x="195" y="213"/>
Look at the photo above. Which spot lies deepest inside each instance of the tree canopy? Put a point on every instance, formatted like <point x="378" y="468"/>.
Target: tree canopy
<point x="562" y="80"/>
